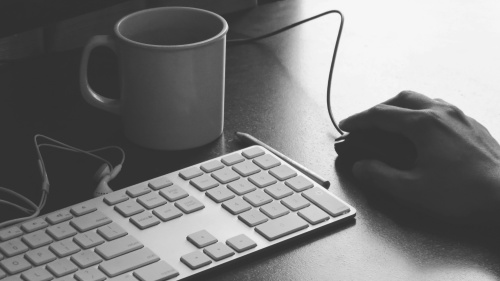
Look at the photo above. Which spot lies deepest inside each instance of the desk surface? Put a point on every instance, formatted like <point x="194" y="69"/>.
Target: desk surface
<point x="275" y="90"/>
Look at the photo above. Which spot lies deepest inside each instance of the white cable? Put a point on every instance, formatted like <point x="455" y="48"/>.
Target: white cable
<point x="14" y="205"/>
<point x="34" y="210"/>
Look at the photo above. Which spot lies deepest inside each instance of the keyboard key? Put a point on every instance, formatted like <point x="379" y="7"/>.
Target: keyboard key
<point x="34" y="225"/>
<point x="66" y="278"/>
<point x="267" y="161"/>
<point x="37" y="274"/>
<point x="236" y="206"/>
<point x="189" y="205"/>
<point x="173" y="193"/>
<point x="278" y="191"/>
<point x="257" y="198"/>
<point x="168" y="212"/>
<point x="241" y="243"/>
<point x="204" y="182"/>
<point x="129" y="208"/>
<point x="218" y="251"/>
<point x="232" y="159"/>
<point x="138" y="190"/>
<point x="9" y="233"/>
<point x="159" y="183"/>
<point x="157" y="271"/>
<point x="88" y="239"/>
<point x="118" y="247"/>
<point x="151" y="200"/>
<point x="61" y="231"/>
<point x="313" y="215"/>
<point x="128" y="262"/>
<point x="253" y="152"/>
<point x="13" y="247"/>
<point x="64" y="248"/>
<point x="274" y="210"/>
<point x="299" y="183"/>
<point x="15" y="264"/>
<point x="115" y="198"/>
<point x="90" y="274"/>
<point x="37" y="239"/>
<point x="190" y="173"/>
<point x="262" y="179"/>
<point x="196" y="260"/>
<point x="40" y="256"/>
<point x="90" y="221"/>
<point x="220" y="194"/>
<point x="82" y="209"/>
<point x="111" y="231"/>
<point x="225" y="175"/>
<point x="124" y="277"/>
<point x="2" y="274"/>
<point x="86" y="258"/>
<point x="246" y="168"/>
<point x="62" y="267"/>
<point x="241" y="186"/>
<point x="144" y="220"/>
<point x="326" y="202"/>
<point x="253" y="218"/>
<point x="295" y="202"/>
<point x="201" y="238"/>
<point x="212" y="166"/>
<point x="283" y="172"/>
<point x="13" y="278"/>
<point x="281" y="226"/>
<point x="59" y="216"/>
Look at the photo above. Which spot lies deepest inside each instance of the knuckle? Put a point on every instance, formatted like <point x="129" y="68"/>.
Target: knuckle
<point x="426" y="118"/>
<point x="453" y="110"/>
<point x="405" y="95"/>
<point x="450" y="111"/>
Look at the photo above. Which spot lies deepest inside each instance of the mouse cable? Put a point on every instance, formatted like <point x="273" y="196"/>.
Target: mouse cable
<point x="341" y="26"/>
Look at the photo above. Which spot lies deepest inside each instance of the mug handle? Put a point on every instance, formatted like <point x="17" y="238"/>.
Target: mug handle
<point x="93" y="98"/>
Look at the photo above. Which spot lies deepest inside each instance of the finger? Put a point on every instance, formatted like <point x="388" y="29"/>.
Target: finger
<point x="384" y="117"/>
<point x="383" y="177"/>
<point x="411" y="100"/>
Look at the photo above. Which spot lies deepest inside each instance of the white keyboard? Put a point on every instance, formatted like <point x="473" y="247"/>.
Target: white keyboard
<point x="173" y="226"/>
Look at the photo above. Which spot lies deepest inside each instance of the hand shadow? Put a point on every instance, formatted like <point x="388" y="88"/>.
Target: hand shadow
<point x="427" y="241"/>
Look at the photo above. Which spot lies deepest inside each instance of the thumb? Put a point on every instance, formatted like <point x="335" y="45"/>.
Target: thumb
<point x="381" y="176"/>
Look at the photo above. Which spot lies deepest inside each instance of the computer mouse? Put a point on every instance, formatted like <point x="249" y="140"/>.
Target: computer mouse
<point x="393" y="149"/>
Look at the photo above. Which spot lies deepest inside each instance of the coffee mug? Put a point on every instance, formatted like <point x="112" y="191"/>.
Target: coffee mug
<point x="172" y="70"/>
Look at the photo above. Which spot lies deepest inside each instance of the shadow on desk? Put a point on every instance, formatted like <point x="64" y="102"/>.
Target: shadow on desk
<point x="416" y="235"/>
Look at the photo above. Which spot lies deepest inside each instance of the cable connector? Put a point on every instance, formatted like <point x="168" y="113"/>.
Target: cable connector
<point x="45" y="183"/>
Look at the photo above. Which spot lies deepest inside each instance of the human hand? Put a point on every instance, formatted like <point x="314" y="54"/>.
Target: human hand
<point x="457" y="172"/>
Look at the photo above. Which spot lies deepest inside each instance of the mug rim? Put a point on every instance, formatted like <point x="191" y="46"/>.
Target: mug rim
<point x="221" y="34"/>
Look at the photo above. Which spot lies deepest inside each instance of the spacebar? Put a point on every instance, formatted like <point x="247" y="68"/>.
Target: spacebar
<point x="128" y="262"/>
<point x="281" y="226"/>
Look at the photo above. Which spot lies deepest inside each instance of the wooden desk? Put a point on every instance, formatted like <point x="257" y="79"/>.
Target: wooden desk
<point x="275" y="90"/>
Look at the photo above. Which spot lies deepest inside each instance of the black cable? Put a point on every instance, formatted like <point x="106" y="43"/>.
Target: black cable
<point x="249" y="40"/>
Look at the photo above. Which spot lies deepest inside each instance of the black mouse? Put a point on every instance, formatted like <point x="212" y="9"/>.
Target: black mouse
<point x="393" y="149"/>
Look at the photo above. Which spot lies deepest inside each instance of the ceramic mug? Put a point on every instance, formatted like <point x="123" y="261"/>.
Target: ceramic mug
<point x="172" y="70"/>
